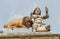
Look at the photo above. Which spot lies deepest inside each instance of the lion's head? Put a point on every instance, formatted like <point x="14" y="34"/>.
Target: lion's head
<point x="27" y="22"/>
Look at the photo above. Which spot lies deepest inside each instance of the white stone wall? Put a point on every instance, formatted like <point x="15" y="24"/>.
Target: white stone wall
<point x="16" y="30"/>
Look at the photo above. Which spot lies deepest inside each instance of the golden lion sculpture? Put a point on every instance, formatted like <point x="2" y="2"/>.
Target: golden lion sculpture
<point x="19" y="23"/>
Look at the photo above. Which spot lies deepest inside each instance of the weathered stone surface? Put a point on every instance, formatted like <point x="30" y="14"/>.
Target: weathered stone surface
<point x="31" y="35"/>
<point x="39" y="25"/>
<point x="16" y="30"/>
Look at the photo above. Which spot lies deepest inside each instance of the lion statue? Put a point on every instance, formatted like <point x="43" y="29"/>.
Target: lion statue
<point x="19" y="23"/>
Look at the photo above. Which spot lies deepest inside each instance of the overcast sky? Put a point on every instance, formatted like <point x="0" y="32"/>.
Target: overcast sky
<point x="11" y="9"/>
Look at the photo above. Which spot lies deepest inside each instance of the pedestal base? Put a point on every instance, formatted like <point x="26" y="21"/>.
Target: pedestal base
<point x="31" y="35"/>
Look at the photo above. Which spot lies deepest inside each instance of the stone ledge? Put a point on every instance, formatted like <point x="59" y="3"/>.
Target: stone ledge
<point x="31" y="34"/>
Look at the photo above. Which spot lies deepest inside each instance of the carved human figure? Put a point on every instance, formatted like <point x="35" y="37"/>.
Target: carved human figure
<point x="38" y="20"/>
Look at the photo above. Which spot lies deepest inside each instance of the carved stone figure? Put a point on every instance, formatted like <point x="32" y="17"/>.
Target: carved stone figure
<point x="38" y="20"/>
<point x="19" y="23"/>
